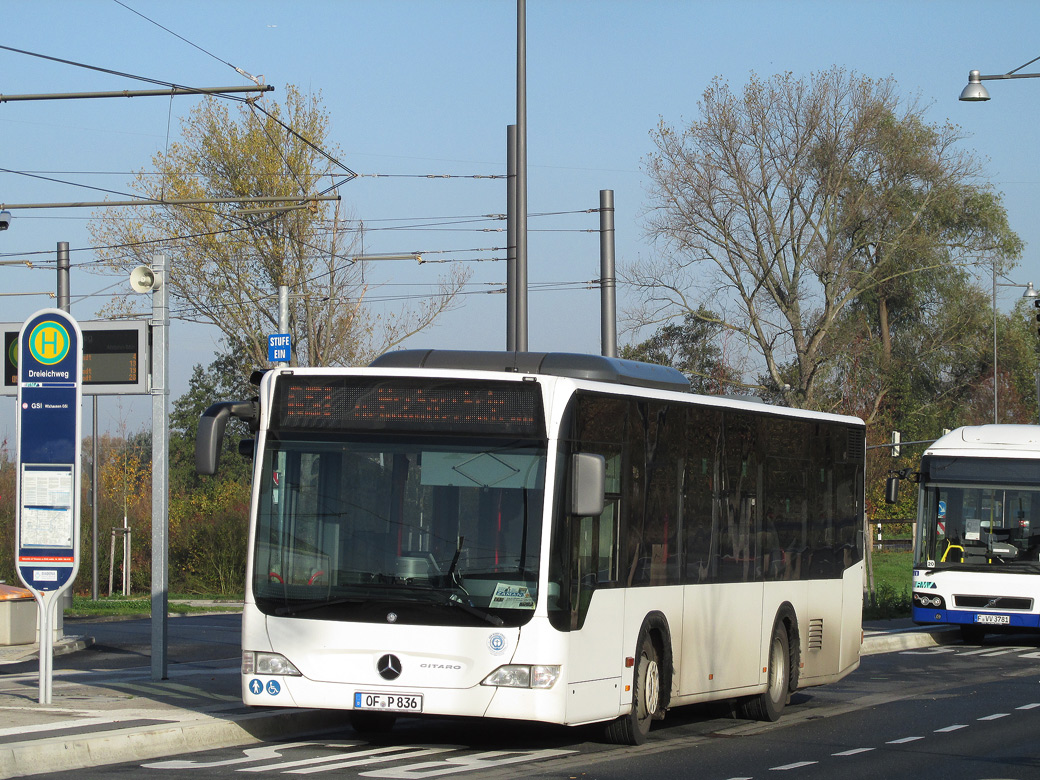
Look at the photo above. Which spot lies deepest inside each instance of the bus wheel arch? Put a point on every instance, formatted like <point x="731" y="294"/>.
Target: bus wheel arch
<point x="783" y="658"/>
<point x="651" y="683"/>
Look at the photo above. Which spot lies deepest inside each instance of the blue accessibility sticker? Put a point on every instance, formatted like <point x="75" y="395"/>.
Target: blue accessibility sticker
<point x="273" y="687"/>
<point x="256" y="687"/>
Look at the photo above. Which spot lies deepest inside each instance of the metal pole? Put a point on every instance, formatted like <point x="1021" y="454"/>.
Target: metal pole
<point x="521" y="176"/>
<point x="63" y="277"/>
<point x="94" y="504"/>
<point x="283" y="315"/>
<point x="994" y="342"/>
<point x="511" y="238"/>
<point x="160" y="476"/>
<point x="607" y="280"/>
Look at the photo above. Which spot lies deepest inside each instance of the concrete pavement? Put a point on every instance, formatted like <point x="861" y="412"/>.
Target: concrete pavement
<point x="108" y="717"/>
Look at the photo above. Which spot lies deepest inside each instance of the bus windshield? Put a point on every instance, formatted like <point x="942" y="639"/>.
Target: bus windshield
<point x="986" y="524"/>
<point x="431" y="530"/>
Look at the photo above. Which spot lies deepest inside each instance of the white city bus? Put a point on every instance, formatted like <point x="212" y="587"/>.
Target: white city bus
<point x="553" y="537"/>
<point x="977" y="559"/>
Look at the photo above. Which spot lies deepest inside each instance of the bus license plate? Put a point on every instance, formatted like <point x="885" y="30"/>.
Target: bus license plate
<point x="388" y="702"/>
<point x="993" y="620"/>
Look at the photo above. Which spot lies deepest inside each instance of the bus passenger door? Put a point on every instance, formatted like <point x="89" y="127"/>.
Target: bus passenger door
<point x="595" y="655"/>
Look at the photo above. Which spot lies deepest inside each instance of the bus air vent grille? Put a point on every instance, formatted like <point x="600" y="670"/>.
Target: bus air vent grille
<point x="816" y="634"/>
<point x="994" y="602"/>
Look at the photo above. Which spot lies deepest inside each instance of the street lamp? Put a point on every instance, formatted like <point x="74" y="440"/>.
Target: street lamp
<point x="975" y="92"/>
<point x="1029" y="293"/>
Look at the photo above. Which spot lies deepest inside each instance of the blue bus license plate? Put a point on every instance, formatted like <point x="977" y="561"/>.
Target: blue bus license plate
<point x="388" y="702"/>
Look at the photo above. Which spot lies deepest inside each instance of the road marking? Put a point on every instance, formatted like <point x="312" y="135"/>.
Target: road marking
<point x="796" y="765"/>
<point x="265" y="753"/>
<point x="480" y="761"/>
<point x="364" y="759"/>
<point x="955" y="727"/>
<point x="903" y="741"/>
<point x="347" y="759"/>
<point x="1032" y="706"/>
<point x="853" y="752"/>
<point x="995" y="716"/>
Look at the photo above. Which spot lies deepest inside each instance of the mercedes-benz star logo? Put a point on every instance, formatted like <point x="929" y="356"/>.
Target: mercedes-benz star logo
<point x="389" y="667"/>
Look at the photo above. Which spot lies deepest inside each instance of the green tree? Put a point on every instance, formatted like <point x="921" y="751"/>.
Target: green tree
<point x="209" y="516"/>
<point x="691" y="347"/>
<point x="792" y="203"/>
<point x="228" y="263"/>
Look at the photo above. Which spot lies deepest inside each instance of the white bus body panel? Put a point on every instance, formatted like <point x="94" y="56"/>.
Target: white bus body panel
<point x="720" y="652"/>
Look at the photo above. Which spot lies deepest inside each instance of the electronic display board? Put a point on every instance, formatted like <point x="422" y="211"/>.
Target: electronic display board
<point x="115" y="357"/>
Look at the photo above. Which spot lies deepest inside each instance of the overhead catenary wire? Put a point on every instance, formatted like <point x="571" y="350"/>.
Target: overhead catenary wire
<point x="235" y="68"/>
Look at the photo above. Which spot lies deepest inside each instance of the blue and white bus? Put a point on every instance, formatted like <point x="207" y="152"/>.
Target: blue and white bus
<point x="541" y="536"/>
<point x="977" y="545"/>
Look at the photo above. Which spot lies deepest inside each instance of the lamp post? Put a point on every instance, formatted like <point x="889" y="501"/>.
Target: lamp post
<point x="974" y="92"/>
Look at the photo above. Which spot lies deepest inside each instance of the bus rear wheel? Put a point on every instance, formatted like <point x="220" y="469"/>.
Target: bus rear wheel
<point x="770" y="704"/>
<point x="633" y="728"/>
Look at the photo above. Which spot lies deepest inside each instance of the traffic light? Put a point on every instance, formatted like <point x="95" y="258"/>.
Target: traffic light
<point x="1036" y="303"/>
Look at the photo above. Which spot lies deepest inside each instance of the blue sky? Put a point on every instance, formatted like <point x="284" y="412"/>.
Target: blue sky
<point x="421" y="88"/>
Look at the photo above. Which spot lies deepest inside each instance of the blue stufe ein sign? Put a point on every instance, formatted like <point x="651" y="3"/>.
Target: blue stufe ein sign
<point x="50" y="371"/>
<point x="279" y="345"/>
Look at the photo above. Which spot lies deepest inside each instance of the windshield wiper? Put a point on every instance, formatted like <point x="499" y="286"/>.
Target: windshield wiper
<point x="453" y="600"/>
<point x="295" y="610"/>
<point x="450" y="600"/>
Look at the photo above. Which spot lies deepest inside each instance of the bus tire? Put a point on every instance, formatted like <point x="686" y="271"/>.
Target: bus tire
<point x="633" y="728"/>
<point x="371" y="723"/>
<point x="770" y="704"/>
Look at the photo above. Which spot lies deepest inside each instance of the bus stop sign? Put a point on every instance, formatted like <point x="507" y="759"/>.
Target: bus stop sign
<point x="50" y="369"/>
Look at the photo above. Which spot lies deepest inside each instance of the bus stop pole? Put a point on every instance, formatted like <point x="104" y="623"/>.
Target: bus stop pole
<point x="160" y="472"/>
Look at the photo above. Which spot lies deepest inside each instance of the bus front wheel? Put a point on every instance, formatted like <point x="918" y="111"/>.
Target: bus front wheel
<point x="770" y="704"/>
<point x="633" y="728"/>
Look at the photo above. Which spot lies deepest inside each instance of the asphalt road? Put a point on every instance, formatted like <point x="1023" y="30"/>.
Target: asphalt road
<point x="951" y="711"/>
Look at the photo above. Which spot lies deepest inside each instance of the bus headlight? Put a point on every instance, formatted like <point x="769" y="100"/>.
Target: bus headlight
<point x="268" y="663"/>
<point x="523" y="676"/>
<point x="924" y="600"/>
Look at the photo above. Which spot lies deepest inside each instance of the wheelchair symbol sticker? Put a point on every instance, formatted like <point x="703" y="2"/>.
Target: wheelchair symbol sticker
<point x="273" y="687"/>
<point x="256" y="687"/>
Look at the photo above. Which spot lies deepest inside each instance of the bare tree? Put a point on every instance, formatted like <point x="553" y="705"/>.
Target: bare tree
<point x="229" y="259"/>
<point x="782" y="206"/>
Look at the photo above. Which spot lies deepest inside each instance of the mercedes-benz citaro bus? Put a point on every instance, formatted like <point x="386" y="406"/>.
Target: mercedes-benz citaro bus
<point x="551" y="537"/>
<point x="977" y="545"/>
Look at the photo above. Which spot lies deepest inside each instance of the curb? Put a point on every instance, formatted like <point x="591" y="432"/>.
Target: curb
<point x="58" y="754"/>
<point x="16" y="654"/>
<point x="908" y="639"/>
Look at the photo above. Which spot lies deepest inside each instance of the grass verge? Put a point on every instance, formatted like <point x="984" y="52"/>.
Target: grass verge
<point x="892" y="579"/>
<point x="109" y="606"/>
